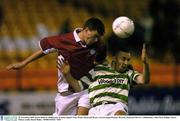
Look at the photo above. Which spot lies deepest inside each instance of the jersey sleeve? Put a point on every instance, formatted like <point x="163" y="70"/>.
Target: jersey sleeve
<point x="132" y="74"/>
<point x="50" y="44"/>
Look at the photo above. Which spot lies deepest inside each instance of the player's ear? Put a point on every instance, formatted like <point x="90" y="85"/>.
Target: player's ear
<point x="86" y="29"/>
<point x="113" y="64"/>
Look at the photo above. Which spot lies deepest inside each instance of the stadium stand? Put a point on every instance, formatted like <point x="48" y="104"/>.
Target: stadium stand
<point x="25" y="22"/>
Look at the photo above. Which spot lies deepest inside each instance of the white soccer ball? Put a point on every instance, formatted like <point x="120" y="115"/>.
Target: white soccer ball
<point x="123" y="27"/>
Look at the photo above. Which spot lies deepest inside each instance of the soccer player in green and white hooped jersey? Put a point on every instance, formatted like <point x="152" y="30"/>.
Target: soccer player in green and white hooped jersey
<point x="109" y="85"/>
<point x="109" y="90"/>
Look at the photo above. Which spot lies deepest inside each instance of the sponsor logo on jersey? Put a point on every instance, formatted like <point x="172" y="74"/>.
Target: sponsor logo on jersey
<point x="116" y="80"/>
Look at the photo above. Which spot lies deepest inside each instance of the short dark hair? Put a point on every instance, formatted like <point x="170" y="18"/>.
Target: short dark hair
<point x="101" y="52"/>
<point x="95" y="24"/>
<point x="121" y="48"/>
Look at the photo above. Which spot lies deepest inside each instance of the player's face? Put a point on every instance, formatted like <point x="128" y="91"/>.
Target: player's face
<point x="92" y="37"/>
<point x="122" y="60"/>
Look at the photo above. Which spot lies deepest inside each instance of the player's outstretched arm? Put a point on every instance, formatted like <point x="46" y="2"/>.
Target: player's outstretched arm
<point x="23" y="63"/>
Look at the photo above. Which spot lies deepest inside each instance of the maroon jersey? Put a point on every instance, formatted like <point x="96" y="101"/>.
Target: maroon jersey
<point x="80" y="58"/>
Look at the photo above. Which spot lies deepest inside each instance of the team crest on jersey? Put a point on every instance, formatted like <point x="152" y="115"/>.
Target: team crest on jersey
<point x="92" y="51"/>
<point x="129" y="72"/>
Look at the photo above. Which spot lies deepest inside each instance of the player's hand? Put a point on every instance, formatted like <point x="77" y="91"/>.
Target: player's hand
<point x="15" y="66"/>
<point x="65" y="68"/>
<point x="63" y="65"/>
<point x="143" y="54"/>
<point x="60" y="62"/>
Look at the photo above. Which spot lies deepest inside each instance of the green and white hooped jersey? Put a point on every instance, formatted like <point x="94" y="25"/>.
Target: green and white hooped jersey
<point x="107" y="85"/>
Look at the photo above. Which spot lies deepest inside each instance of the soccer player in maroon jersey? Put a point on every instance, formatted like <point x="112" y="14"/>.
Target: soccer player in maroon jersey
<point x="78" y="48"/>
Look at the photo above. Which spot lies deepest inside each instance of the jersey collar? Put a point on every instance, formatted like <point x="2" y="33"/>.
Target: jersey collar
<point x="77" y="39"/>
<point x="76" y="35"/>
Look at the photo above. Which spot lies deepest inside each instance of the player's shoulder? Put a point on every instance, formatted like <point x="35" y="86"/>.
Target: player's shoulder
<point x="129" y="70"/>
<point x="66" y="35"/>
<point x="102" y="66"/>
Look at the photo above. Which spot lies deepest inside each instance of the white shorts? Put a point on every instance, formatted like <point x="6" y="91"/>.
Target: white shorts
<point x="107" y="109"/>
<point x="67" y="105"/>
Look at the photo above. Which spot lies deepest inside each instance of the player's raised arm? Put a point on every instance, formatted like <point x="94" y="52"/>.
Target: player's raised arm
<point x="145" y="77"/>
<point x="23" y="63"/>
<point x="146" y="72"/>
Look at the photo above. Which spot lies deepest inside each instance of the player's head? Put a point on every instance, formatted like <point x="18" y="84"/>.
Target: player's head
<point x="122" y="58"/>
<point x="93" y="29"/>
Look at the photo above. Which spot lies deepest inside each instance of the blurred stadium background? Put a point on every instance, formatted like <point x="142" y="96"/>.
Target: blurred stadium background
<point x="32" y="89"/>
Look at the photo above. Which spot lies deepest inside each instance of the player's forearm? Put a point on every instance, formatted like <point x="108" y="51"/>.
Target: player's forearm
<point x="21" y="64"/>
<point x="34" y="57"/>
<point x="72" y="82"/>
<point x="146" y="72"/>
